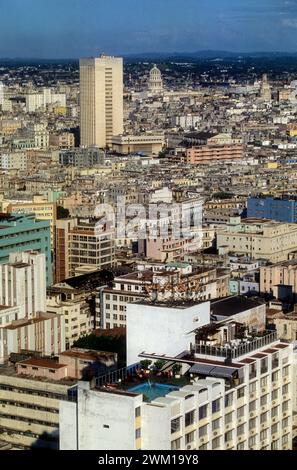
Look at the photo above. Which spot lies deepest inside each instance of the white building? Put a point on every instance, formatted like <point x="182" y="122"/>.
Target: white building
<point x="241" y="404"/>
<point x="14" y="160"/>
<point x="162" y="328"/>
<point x="37" y="101"/>
<point x="101" y="100"/>
<point x="23" y="283"/>
<point x="155" y="83"/>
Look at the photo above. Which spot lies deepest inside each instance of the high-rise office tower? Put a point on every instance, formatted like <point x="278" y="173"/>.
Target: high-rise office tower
<point x="101" y="100"/>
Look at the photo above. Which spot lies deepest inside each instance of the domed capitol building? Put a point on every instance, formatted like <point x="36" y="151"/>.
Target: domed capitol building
<point x="155" y="83"/>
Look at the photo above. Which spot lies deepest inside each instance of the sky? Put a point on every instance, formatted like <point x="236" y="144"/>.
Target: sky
<point x="82" y="28"/>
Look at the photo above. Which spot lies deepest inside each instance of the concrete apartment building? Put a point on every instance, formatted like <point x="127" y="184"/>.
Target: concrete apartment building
<point x="159" y="283"/>
<point x="23" y="283"/>
<point x="63" y="140"/>
<point x="101" y="100"/>
<point x="258" y="238"/>
<point x="29" y="415"/>
<point x="279" y="274"/>
<point x="221" y="147"/>
<point x="45" y="333"/>
<point x="37" y="205"/>
<point x="23" y="232"/>
<point x="238" y="395"/>
<point x="91" y="247"/>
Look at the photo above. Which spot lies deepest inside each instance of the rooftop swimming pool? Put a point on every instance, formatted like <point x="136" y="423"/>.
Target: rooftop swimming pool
<point x="153" y="390"/>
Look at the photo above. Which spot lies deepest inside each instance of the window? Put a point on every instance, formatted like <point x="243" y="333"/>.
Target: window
<point x="252" y="441"/>
<point x="228" y="436"/>
<point x="216" y="405"/>
<point x="228" y="418"/>
<point x="274" y="395"/>
<point x="274" y="377"/>
<point x="285" y="423"/>
<point x="263" y="435"/>
<point x="105" y="426"/>
<point x="240" y="446"/>
<point x="275" y="445"/>
<point x="263" y="400"/>
<point x="189" y="418"/>
<point x="203" y="412"/>
<point x="175" y="425"/>
<point x="240" y="392"/>
<point x="229" y="399"/>
<point x="203" y="431"/>
<point x="137" y="433"/>
<point x="216" y="424"/>
<point x="175" y="445"/>
<point x="253" y="387"/>
<point x="286" y="371"/>
<point x="252" y="423"/>
<point x="137" y="412"/>
<point x="274" y="411"/>
<point x="286" y="405"/>
<point x="253" y="405"/>
<point x="190" y="437"/>
<point x="240" y="412"/>
<point x="285" y="439"/>
<point x="216" y="443"/>
<point x="263" y="417"/>
<point x="285" y="389"/>
<point x="264" y="381"/>
<point x="240" y="430"/>
<point x="274" y="428"/>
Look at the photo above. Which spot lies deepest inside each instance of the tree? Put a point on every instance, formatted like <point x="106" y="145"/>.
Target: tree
<point x="145" y="363"/>
<point x="159" y="364"/>
<point x="176" y="368"/>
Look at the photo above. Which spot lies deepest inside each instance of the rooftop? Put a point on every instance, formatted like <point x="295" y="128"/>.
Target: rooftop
<point x="233" y="305"/>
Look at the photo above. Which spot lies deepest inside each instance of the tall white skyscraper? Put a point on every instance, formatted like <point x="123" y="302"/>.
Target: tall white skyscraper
<point x="1" y="93"/>
<point x="101" y="100"/>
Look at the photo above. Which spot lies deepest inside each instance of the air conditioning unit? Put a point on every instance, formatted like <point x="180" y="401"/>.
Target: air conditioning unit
<point x="215" y="433"/>
<point x="263" y="408"/>
<point x="274" y="402"/>
<point x="273" y="420"/>
<point x="202" y="439"/>
<point x="227" y="426"/>
<point x="251" y="414"/>
<point x="227" y="445"/>
<point x="191" y="446"/>
<point x="263" y="390"/>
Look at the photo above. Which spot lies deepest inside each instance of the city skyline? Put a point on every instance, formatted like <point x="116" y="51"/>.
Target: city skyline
<point x="73" y="29"/>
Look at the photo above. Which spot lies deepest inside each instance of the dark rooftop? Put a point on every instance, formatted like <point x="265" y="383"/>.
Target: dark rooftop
<point x="232" y="305"/>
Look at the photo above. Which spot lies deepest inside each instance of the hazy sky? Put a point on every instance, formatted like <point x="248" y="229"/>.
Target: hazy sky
<point x="77" y="28"/>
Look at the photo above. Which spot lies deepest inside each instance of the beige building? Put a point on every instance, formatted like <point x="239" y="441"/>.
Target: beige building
<point x="90" y="247"/>
<point x="64" y="140"/>
<point x="101" y="100"/>
<point x="44" y="333"/>
<point x="279" y="274"/>
<point x="258" y="238"/>
<point x="151" y="144"/>
<point x="29" y="415"/>
<point x="72" y="305"/>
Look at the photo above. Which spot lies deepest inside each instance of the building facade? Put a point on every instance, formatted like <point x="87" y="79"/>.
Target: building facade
<point x="101" y="100"/>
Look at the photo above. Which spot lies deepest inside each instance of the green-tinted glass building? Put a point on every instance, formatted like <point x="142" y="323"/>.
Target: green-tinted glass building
<point x="22" y="232"/>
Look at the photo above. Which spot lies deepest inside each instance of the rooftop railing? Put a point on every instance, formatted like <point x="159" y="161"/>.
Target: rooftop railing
<point x="238" y="348"/>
